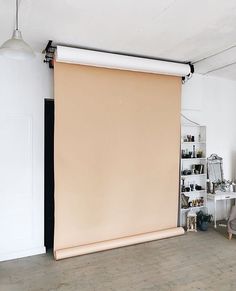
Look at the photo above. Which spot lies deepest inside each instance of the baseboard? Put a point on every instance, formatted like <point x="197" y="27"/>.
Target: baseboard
<point x="117" y="243"/>
<point x="22" y="254"/>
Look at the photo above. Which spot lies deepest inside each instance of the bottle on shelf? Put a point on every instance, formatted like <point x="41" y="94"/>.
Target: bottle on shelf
<point x="182" y="185"/>
<point x="194" y="152"/>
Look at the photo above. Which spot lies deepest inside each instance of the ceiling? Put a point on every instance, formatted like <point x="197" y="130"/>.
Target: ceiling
<point x="181" y="30"/>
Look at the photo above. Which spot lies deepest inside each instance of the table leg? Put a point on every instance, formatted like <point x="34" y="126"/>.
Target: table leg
<point x="225" y="209"/>
<point x="215" y="213"/>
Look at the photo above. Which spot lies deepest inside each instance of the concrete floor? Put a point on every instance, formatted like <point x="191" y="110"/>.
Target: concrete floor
<point x="195" y="261"/>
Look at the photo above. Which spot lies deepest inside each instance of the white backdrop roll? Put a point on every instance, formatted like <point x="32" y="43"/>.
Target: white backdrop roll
<point x="121" y="62"/>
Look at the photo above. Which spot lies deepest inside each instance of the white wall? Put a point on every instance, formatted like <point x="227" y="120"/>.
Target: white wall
<point x="23" y="87"/>
<point x="211" y="101"/>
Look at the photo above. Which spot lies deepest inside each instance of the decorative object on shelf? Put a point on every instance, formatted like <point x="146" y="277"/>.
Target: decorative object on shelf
<point x="186" y="154"/>
<point x="193" y="169"/>
<point x="199" y="169"/>
<point x="184" y="201"/>
<point x="197" y="202"/>
<point x="194" y="152"/>
<point x="196" y="169"/>
<point x="199" y="154"/>
<point x="198" y="187"/>
<point x="189" y="138"/>
<point x="203" y="219"/>
<point x="192" y="221"/>
<point x="186" y="172"/>
<point x="182" y="185"/>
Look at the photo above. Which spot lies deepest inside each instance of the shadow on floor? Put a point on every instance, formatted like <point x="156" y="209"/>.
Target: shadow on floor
<point x="221" y="228"/>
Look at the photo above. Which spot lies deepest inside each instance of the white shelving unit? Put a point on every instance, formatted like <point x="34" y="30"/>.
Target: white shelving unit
<point x="193" y="169"/>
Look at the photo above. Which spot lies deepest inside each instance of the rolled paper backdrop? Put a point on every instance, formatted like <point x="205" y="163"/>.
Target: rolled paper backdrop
<point x="121" y="62"/>
<point x="117" y="137"/>
<point x="117" y="243"/>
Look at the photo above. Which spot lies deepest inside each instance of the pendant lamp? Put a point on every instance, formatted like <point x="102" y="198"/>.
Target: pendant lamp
<point x="16" y="47"/>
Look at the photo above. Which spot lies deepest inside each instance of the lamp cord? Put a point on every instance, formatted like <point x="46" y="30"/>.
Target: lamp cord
<point x="17" y="13"/>
<point x="189" y="119"/>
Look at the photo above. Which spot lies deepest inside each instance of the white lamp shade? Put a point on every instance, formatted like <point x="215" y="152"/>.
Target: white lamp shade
<point x="16" y="47"/>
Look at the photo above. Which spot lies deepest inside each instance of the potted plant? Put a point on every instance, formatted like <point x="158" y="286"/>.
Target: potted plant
<point x="203" y="219"/>
<point x="199" y="154"/>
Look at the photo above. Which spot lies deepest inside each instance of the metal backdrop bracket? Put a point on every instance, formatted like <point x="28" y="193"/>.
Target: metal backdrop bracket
<point x="49" y="54"/>
<point x="186" y="78"/>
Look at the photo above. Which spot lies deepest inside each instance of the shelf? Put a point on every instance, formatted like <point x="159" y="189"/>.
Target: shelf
<point x="196" y="207"/>
<point x="193" y="142"/>
<point x="184" y="176"/>
<point x="187" y="162"/>
<point x="186" y="159"/>
<point x="194" y="192"/>
<point x="191" y="125"/>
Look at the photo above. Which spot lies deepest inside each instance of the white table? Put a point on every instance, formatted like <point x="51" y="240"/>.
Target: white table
<point x="219" y="196"/>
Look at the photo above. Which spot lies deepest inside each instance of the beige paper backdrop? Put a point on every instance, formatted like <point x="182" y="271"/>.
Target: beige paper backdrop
<point x="116" y="154"/>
